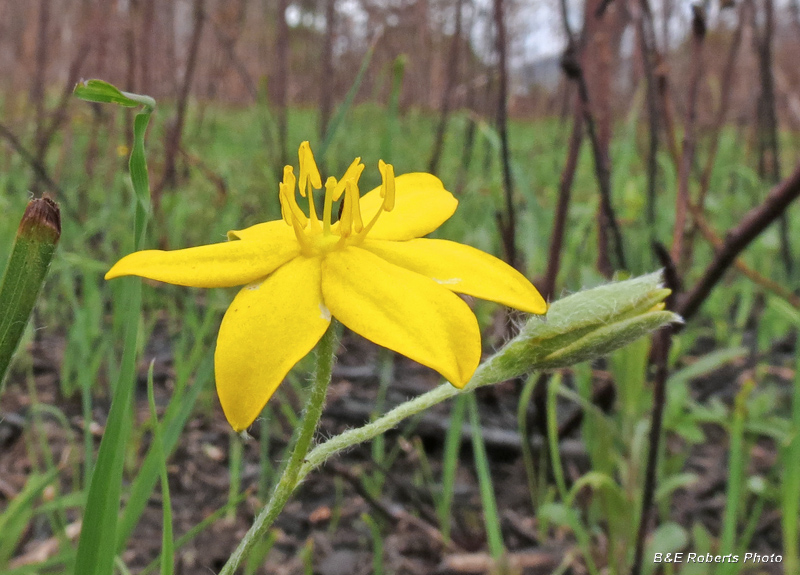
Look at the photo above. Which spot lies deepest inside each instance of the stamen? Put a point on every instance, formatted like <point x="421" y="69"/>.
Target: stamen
<point x="355" y="206"/>
<point x="309" y="173"/>
<point x="387" y="193"/>
<point x="353" y="172"/>
<point x="387" y="185"/>
<point x="289" y="209"/>
<point x="310" y="180"/>
<point x="330" y="186"/>
<point x="346" y="219"/>
<point x="288" y="200"/>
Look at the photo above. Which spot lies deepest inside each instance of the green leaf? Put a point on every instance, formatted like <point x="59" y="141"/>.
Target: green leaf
<point x="105" y="93"/>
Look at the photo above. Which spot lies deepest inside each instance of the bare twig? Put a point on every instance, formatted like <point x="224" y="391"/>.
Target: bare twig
<point x="173" y="138"/>
<point x="447" y="94"/>
<point x="644" y="26"/>
<point x="768" y="284"/>
<point x="687" y="155"/>
<point x="662" y="342"/>
<point x="570" y="64"/>
<point x="724" y="104"/>
<point x="508" y="220"/>
<point x="31" y="160"/>
<point x="751" y="225"/>
<point x="564" y="192"/>
<point x="326" y="80"/>
<point x="282" y="81"/>
<point x="768" y="150"/>
<point x="603" y="172"/>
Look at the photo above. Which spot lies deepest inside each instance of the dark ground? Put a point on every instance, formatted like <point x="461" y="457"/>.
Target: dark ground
<point x="323" y="521"/>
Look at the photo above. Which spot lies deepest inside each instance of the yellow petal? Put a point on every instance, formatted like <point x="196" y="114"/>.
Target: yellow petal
<point x="274" y="230"/>
<point x="225" y="264"/>
<point x="268" y="328"/>
<point x="462" y="269"/>
<point x="402" y="310"/>
<point x="421" y="205"/>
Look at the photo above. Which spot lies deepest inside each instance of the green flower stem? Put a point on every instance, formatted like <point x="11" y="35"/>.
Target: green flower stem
<point x="578" y="328"/>
<point x="292" y="474"/>
<point x="318" y="456"/>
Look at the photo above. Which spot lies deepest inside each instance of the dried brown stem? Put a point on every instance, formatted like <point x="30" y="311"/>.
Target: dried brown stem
<point x="32" y="161"/>
<point x="173" y="138"/>
<point x="726" y="83"/>
<point x="603" y="173"/>
<point x="60" y="113"/>
<point x="768" y="149"/>
<point x="447" y="94"/>
<point x="570" y="63"/>
<point x="687" y="156"/>
<point x="753" y="223"/>
<point x="326" y="81"/>
<point x="644" y="25"/>
<point x="662" y="342"/>
<point x="564" y="191"/>
<point x="282" y="81"/>
<point x="768" y="284"/>
<point x="507" y="221"/>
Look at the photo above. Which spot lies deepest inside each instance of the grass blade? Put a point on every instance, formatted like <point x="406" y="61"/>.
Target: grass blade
<point x="178" y="413"/>
<point x="96" y="547"/>
<point x="490" y="516"/>
<point x="452" y="448"/>
<point x="345" y="106"/>
<point x="167" y="541"/>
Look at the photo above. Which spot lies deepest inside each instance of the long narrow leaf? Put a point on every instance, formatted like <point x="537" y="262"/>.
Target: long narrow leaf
<point x="491" y="518"/>
<point x="167" y="541"/>
<point x="96" y="547"/>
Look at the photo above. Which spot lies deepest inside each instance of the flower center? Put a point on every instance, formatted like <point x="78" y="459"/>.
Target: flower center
<point x="317" y="236"/>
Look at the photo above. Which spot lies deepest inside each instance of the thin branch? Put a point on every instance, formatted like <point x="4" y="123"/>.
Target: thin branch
<point x="173" y="137"/>
<point x="687" y="156"/>
<point x="31" y="160"/>
<point x="644" y="26"/>
<point x="724" y="105"/>
<point x="662" y="341"/>
<point x="768" y="284"/>
<point x="508" y="221"/>
<point x="447" y="95"/>
<point x="753" y="223"/>
<point x="570" y="64"/>
<point x="562" y="208"/>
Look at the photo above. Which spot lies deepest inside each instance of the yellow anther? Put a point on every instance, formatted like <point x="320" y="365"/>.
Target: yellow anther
<point x="387" y="185"/>
<point x="289" y="207"/>
<point x="309" y="173"/>
<point x="330" y="187"/>
<point x="353" y="173"/>
<point x="346" y="219"/>
<point x="355" y="206"/>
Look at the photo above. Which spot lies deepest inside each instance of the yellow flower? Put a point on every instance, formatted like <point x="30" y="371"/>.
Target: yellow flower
<point x="368" y="270"/>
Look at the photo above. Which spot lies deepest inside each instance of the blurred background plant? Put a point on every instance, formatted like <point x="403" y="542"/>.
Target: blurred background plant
<point x="582" y="140"/>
